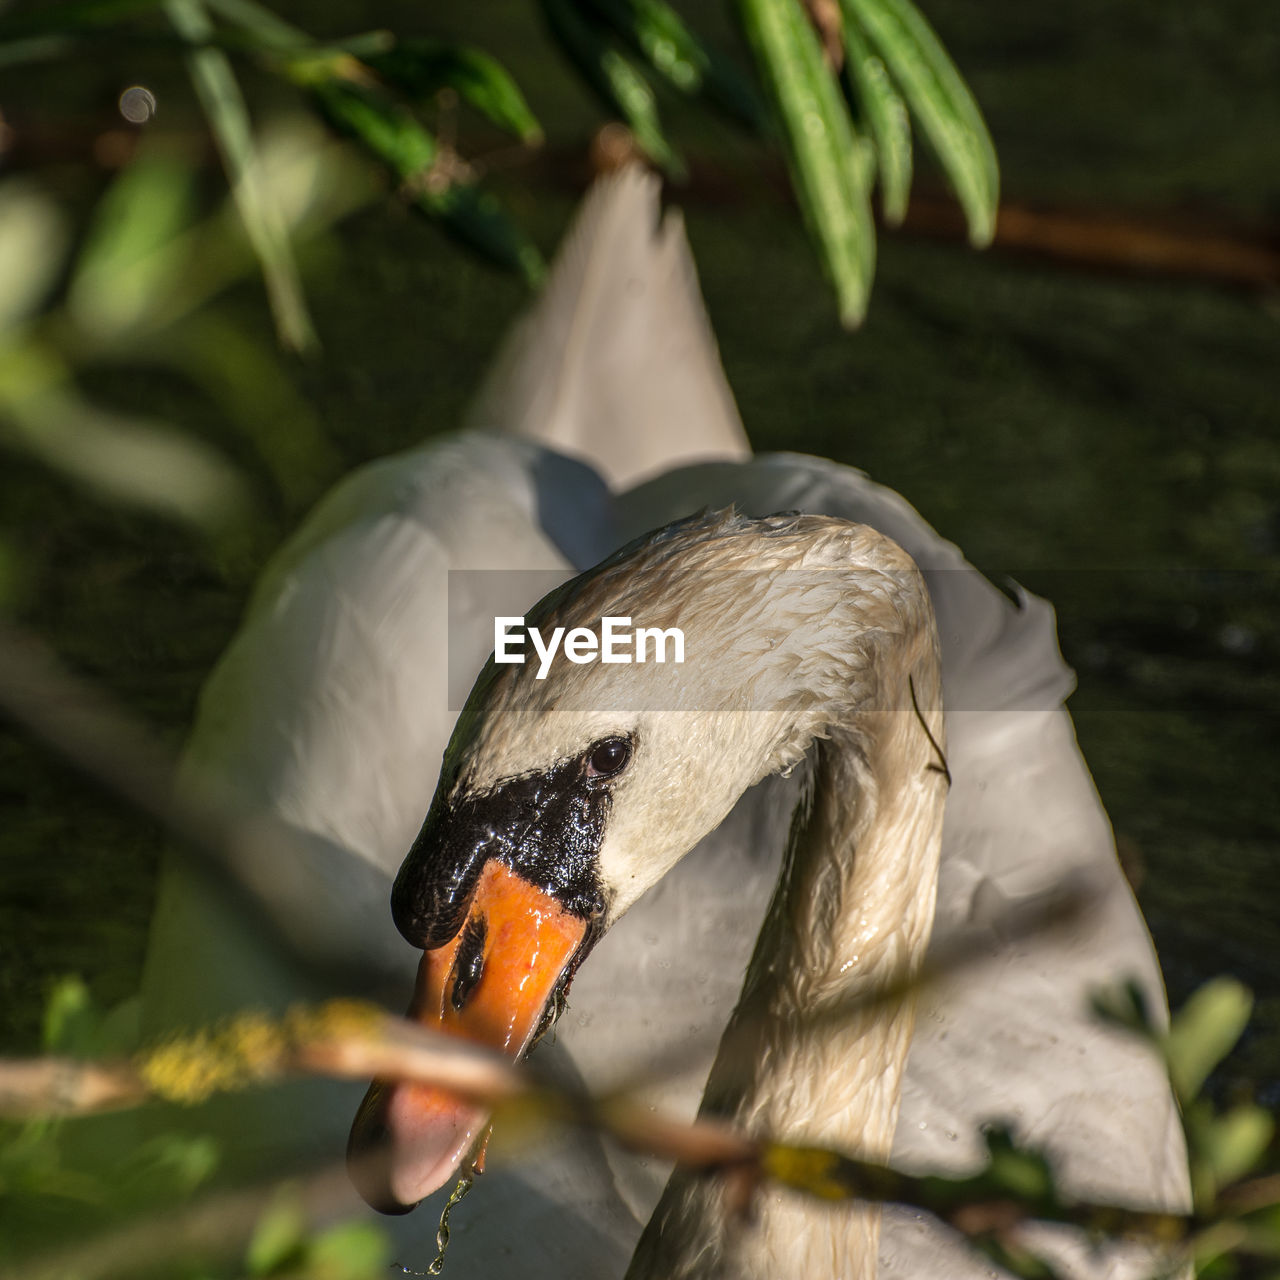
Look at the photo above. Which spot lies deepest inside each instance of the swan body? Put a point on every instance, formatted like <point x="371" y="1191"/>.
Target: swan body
<point x="332" y="708"/>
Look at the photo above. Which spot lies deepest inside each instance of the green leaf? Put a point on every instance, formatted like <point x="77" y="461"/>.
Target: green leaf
<point x="1015" y="1258"/>
<point x="391" y="133"/>
<point x="122" y="271"/>
<point x="33" y="238"/>
<point x="828" y="166"/>
<point x="351" y="1251"/>
<point x="279" y="1238"/>
<point x="1235" y="1142"/>
<point x="386" y="129"/>
<point x="228" y="116"/>
<point x="69" y="1018"/>
<point x="656" y="31"/>
<point x="617" y="81"/>
<point x="941" y="100"/>
<point x="267" y="29"/>
<point x="886" y="114"/>
<point x="164" y="1168"/>
<point x="1264" y="1231"/>
<point x="1124" y="1005"/>
<point x="1204" y="1031"/>
<point x="128" y="459"/>
<point x="421" y="68"/>
<point x="1017" y="1171"/>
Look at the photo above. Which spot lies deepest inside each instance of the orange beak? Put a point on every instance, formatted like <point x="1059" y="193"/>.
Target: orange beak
<point x="492" y="984"/>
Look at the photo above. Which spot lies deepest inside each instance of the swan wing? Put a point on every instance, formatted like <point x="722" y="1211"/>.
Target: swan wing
<point x="329" y="712"/>
<point x="331" y="707"/>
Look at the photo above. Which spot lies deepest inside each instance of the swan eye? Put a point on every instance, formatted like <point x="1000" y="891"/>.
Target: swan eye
<point x="608" y="758"/>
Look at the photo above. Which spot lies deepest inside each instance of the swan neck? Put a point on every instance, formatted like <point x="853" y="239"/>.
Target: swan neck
<point x="849" y="925"/>
<point x="817" y="1046"/>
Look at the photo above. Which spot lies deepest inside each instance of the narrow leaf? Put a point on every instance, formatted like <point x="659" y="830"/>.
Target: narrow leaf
<point x="1236" y="1142"/>
<point x="33" y="238"/>
<point x="268" y="29"/>
<point x="1204" y="1031"/>
<point x="828" y="165"/>
<point x="351" y="1251"/>
<point x="270" y="34"/>
<point x="123" y="270"/>
<point x="278" y="1239"/>
<point x="938" y="95"/>
<point x="421" y="68"/>
<point x="659" y="34"/>
<point x="886" y="114"/>
<point x="1124" y="1004"/>
<point x="394" y="136"/>
<point x="123" y="458"/>
<point x="228" y="116"/>
<point x="68" y="1018"/>
<point x="615" y="79"/>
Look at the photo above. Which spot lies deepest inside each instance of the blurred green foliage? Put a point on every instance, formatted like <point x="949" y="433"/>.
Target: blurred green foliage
<point x="374" y="85"/>
<point x="130" y="287"/>
<point x="55" y="1193"/>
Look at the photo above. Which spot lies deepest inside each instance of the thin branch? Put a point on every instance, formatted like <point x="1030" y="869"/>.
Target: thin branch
<point x="358" y="1041"/>
<point x="354" y="1041"/>
<point x="35" y="1087"/>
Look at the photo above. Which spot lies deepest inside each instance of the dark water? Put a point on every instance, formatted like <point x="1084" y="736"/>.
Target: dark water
<point x="1111" y="442"/>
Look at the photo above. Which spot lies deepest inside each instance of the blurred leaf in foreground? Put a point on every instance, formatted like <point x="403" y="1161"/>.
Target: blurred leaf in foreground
<point x="228" y="116"/>
<point x="145" y="463"/>
<point x="283" y="1245"/>
<point x="123" y="273"/>
<point x="1125" y="1005"/>
<point x="1204" y="1031"/>
<point x="33" y="237"/>
<point x="1236" y="1142"/>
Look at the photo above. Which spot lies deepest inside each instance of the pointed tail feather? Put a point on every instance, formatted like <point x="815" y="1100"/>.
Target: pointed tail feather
<point x="616" y="362"/>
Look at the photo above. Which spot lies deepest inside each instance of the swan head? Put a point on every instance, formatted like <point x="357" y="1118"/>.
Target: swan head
<point x="564" y="795"/>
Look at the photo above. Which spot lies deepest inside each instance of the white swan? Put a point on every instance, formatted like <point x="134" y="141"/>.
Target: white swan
<point x="331" y="710"/>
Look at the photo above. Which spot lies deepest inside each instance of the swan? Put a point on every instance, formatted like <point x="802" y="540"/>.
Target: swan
<point x="606" y="416"/>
